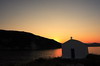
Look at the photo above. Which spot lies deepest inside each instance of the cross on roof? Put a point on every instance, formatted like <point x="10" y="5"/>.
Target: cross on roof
<point x="71" y="38"/>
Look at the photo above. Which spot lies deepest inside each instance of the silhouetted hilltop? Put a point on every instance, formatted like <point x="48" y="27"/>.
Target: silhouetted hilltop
<point x="23" y="40"/>
<point x="93" y="44"/>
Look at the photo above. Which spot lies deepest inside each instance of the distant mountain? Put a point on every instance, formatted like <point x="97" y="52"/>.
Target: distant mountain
<point x="24" y="40"/>
<point x="93" y="44"/>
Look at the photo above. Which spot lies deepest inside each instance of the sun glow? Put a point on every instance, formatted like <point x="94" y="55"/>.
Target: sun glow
<point x="57" y="39"/>
<point x="53" y="19"/>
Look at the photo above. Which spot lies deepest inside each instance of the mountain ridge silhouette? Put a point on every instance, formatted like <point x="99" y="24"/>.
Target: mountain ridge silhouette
<point x="10" y="39"/>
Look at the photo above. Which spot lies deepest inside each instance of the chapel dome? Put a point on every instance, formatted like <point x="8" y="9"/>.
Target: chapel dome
<point x="73" y="41"/>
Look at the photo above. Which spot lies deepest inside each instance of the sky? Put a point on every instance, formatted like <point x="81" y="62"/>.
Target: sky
<point x="54" y="19"/>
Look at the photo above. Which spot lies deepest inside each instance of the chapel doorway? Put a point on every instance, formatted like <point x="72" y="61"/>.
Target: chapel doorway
<point x="73" y="53"/>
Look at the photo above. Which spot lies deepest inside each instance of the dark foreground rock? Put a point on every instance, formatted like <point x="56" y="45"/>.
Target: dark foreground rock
<point x="65" y="62"/>
<point x="91" y="60"/>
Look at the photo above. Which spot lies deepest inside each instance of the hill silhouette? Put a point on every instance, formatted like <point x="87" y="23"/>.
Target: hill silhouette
<point x="93" y="44"/>
<point x="10" y="39"/>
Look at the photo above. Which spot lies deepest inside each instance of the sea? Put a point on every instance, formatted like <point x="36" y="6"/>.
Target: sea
<point x="53" y="53"/>
<point x="23" y="56"/>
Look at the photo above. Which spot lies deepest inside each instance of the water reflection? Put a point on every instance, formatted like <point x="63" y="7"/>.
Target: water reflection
<point x="23" y="56"/>
<point x="58" y="53"/>
<point x="47" y="53"/>
<point x="15" y="55"/>
<point x="94" y="50"/>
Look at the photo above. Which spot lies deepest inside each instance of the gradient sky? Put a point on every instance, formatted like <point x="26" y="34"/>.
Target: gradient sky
<point x="55" y="19"/>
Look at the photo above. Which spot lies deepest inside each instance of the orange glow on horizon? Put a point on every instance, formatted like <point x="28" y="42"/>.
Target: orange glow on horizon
<point x="88" y="40"/>
<point x="54" y="19"/>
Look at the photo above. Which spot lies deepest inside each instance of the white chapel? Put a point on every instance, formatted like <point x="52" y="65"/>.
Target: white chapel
<point x="74" y="49"/>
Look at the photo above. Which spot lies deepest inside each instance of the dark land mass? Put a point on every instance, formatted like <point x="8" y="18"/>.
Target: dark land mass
<point x="18" y="46"/>
<point x="93" y="44"/>
<point x="91" y="60"/>
<point x="12" y="40"/>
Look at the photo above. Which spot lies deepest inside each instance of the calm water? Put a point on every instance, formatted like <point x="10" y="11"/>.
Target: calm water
<point x="94" y="50"/>
<point x="58" y="53"/>
<point x="23" y="56"/>
<point x="47" y="53"/>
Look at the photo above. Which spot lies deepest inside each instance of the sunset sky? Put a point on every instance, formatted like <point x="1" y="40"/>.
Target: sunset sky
<point x="54" y="19"/>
